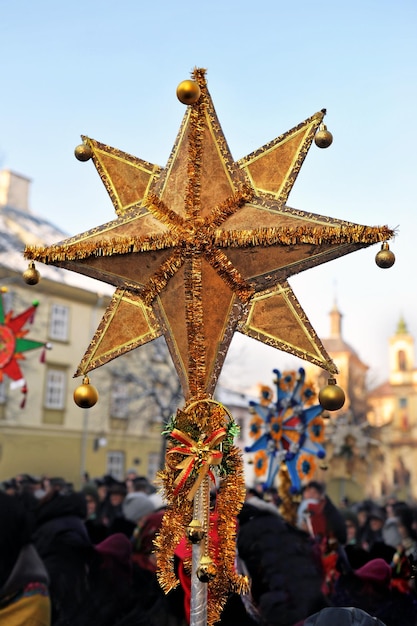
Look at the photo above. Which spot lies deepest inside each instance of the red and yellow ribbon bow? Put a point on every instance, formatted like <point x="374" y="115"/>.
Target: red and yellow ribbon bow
<point x="199" y="455"/>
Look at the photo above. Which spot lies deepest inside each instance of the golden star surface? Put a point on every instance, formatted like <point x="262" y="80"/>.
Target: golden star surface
<point x="204" y="247"/>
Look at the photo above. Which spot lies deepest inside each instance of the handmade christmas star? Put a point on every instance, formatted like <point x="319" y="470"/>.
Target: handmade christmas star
<point x="204" y="247"/>
<point x="287" y="429"/>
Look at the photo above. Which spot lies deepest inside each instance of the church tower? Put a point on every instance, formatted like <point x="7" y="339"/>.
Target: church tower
<point x="352" y="370"/>
<point x="401" y="356"/>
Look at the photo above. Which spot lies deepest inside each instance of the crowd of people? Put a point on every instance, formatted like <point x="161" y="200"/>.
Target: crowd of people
<point x="75" y="557"/>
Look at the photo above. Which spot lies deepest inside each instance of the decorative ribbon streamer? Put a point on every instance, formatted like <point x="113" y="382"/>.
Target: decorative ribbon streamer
<point x="200" y="455"/>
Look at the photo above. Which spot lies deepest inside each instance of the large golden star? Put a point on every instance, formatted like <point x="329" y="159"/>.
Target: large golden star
<point x="204" y="247"/>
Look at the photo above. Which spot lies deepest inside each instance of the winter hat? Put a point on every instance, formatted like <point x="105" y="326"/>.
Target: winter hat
<point x="136" y="505"/>
<point x="342" y="616"/>
<point x="157" y="500"/>
<point x="350" y="516"/>
<point x="376" y="513"/>
<point x="117" y="487"/>
<point x="116" y="554"/>
<point x="376" y="571"/>
<point x="90" y="490"/>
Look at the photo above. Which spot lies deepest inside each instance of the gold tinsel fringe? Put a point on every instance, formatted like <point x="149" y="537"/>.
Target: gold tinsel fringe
<point x="100" y="247"/>
<point x="229" y="206"/>
<point x="230" y="274"/>
<point x="159" y="280"/>
<point x="195" y="154"/>
<point x="286" y="236"/>
<point x="159" y="209"/>
<point x="195" y="327"/>
<point x="202" y="417"/>
<point x="199" y="75"/>
<point x="290" y="236"/>
<point x="230" y="499"/>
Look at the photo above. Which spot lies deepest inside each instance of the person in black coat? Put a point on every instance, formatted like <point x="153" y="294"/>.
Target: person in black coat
<point x="281" y="561"/>
<point x="63" y="544"/>
<point x="24" y="581"/>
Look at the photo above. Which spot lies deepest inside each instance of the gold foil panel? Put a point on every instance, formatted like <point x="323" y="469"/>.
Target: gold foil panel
<point x="126" y="178"/>
<point x="216" y="298"/>
<point x="171" y="312"/>
<point x="274" y="167"/>
<point x="277" y="319"/>
<point x="126" y="324"/>
<point x="112" y="269"/>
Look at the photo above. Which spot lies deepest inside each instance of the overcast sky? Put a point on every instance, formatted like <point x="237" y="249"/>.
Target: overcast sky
<point x="110" y="70"/>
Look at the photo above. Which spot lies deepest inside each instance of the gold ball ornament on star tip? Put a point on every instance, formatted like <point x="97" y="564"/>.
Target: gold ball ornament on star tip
<point x="207" y="569"/>
<point x="188" y="92"/>
<point x="385" y="258"/>
<point x="86" y="395"/>
<point x="83" y="152"/>
<point x="31" y="276"/>
<point x="331" y="397"/>
<point x="195" y="531"/>
<point x="323" y="138"/>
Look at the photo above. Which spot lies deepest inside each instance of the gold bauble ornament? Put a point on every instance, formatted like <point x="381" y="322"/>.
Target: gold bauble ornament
<point x="385" y="257"/>
<point x="83" y="152"/>
<point x="323" y="138"/>
<point x="207" y="569"/>
<point x="31" y="276"/>
<point x="188" y="92"/>
<point x="86" y="395"/>
<point x="195" y="531"/>
<point x="332" y="397"/>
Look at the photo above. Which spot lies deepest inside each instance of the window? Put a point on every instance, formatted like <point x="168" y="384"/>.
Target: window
<point x="153" y="465"/>
<point x="116" y="464"/>
<point x="402" y="361"/>
<point x="3" y="395"/>
<point x="119" y="400"/>
<point x="59" y="322"/>
<point x="55" y="392"/>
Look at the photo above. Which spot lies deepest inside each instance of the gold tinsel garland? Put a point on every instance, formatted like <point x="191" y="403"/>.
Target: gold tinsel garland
<point x="161" y="277"/>
<point x="290" y="236"/>
<point x="159" y="209"/>
<point x="195" y="327"/>
<point x="287" y="507"/>
<point x="201" y="422"/>
<point x="230" y="274"/>
<point x="285" y="236"/>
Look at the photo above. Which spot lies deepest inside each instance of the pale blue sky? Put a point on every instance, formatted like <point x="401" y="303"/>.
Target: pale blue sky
<point x="110" y="70"/>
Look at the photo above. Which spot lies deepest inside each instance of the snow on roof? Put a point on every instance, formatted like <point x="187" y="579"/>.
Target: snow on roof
<point x="19" y="229"/>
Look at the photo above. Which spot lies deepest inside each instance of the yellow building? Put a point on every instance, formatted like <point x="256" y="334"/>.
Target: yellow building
<point x="394" y="411"/>
<point x="354" y="454"/>
<point x="50" y="434"/>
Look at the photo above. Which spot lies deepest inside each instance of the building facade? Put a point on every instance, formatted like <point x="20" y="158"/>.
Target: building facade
<point x="393" y="409"/>
<point x="50" y="435"/>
